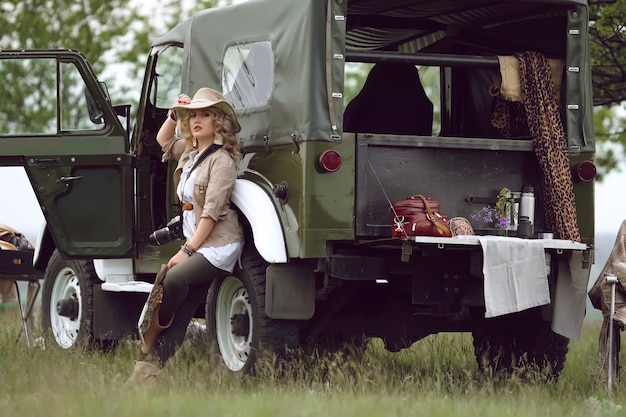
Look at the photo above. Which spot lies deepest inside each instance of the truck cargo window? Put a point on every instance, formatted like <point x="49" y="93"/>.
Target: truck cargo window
<point x="248" y="74"/>
<point x="394" y="99"/>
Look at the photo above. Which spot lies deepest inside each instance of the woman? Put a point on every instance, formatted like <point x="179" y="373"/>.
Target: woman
<point x="207" y="152"/>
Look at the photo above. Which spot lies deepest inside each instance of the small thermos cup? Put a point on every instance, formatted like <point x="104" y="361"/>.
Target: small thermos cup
<point x="526" y="212"/>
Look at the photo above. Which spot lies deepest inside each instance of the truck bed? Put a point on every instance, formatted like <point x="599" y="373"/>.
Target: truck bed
<point x="464" y="174"/>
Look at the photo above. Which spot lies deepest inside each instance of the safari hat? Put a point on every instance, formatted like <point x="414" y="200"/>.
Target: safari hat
<point x="207" y="97"/>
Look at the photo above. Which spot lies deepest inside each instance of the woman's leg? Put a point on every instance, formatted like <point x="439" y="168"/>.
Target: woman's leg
<point x="184" y="290"/>
<point x="196" y="270"/>
<point x="172" y="338"/>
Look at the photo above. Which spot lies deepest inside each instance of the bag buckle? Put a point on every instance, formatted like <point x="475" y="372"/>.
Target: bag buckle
<point x="399" y="221"/>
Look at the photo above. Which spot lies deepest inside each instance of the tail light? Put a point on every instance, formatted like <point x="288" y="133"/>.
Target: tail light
<point x="584" y="171"/>
<point x="329" y="161"/>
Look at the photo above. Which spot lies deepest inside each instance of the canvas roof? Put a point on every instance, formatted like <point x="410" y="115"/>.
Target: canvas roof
<point x="297" y="30"/>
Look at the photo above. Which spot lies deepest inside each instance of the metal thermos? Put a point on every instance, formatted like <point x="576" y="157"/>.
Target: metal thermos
<point x="526" y="213"/>
<point x="515" y="195"/>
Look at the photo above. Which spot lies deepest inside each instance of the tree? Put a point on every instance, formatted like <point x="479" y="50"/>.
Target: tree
<point x="610" y="140"/>
<point x="608" y="57"/>
<point x="608" y="51"/>
<point x="114" y="35"/>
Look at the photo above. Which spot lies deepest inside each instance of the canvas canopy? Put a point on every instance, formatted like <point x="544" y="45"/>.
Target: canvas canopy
<point x="308" y="48"/>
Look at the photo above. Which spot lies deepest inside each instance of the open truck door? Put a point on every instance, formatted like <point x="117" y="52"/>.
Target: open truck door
<point x="57" y="122"/>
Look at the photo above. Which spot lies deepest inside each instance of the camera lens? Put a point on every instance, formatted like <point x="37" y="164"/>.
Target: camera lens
<point x="172" y="231"/>
<point x="161" y="236"/>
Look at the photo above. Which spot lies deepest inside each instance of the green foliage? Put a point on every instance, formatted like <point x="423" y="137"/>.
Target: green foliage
<point x="96" y="27"/>
<point x="114" y="35"/>
<point x="608" y="57"/>
<point x="610" y="140"/>
<point x="608" y="50"/>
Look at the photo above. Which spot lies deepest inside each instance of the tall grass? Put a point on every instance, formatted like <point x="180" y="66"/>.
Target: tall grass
<point x="438" y="376"/>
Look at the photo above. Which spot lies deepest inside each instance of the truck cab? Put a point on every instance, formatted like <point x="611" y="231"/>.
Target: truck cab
<point x="345" y="107"/>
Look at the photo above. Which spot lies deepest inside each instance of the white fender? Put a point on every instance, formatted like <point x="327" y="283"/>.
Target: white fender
<point x="114" y="270"/>
<point x="258" y="208"/>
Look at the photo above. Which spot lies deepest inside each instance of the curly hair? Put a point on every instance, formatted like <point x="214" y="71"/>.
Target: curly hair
<point x="224" y="132"/>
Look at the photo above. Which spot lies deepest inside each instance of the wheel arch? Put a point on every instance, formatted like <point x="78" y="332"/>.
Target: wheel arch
<point x="261" y="214"/>
<point x="44" y="247"/>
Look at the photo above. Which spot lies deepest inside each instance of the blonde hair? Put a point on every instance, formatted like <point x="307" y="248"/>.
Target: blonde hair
<point x="224" y="131"/>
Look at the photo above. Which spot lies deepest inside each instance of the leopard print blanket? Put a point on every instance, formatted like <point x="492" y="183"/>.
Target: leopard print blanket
<point x="541" y="113"/>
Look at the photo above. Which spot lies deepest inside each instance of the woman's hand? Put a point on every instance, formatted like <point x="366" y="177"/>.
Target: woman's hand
<point x="178" y="258"/>
<point x="183" y="99"/>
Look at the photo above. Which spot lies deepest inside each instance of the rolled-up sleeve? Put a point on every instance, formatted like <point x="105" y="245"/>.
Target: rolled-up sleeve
<point x="173" y="149"/>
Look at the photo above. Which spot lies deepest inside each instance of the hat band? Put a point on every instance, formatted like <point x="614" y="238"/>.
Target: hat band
<point x="202" y="101"/>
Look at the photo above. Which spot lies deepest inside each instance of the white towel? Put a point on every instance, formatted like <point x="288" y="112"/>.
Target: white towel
<point x="515" y="275"/>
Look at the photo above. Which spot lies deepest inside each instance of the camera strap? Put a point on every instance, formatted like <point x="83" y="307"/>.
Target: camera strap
<point x="204" y="155"/>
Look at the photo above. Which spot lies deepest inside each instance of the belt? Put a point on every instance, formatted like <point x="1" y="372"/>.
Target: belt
<point x="187" y="206"/>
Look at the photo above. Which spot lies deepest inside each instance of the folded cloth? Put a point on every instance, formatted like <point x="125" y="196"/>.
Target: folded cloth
<point x="571" y="291"/>
<point x="508" y="81"/>
<point x="515" y="277"/>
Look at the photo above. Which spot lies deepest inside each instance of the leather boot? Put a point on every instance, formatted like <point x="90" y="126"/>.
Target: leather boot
<point x="144" y="373"/>
<point x="153" y="332"/>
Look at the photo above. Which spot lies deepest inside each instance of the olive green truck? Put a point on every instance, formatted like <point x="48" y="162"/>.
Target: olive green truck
<point x="346" y="106"/>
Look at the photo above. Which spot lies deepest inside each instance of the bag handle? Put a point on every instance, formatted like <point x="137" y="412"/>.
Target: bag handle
<point x="425" y="201"/>
<point x="442" y="228"/>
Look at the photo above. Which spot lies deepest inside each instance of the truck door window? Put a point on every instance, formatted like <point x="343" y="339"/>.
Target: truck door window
<point x="39" y="98"/>
<point x="28" y="97"/>
<point x="76" y="101"/>
<point x="248" y="74"/>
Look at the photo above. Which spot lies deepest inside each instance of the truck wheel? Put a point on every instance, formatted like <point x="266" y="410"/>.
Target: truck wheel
<point x="522" y="344"/>
<point x="240" y="335"/>
<point x="67" y="302"/>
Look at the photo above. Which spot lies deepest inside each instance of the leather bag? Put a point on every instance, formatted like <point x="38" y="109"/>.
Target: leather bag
<point x="418" y="216"/>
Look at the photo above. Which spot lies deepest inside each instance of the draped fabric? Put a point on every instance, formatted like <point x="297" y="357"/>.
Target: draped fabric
<point x="600" y="296"/>
<point x="550" y="144"/>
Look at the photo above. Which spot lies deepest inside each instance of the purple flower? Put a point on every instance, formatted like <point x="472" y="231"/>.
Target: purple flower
<point x="489" y="214"/>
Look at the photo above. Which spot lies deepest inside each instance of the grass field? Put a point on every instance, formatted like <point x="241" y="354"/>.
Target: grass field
<point x="438" y="376"/>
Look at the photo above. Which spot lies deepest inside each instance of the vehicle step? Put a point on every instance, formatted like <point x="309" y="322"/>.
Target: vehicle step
<point x="127" y="286"/>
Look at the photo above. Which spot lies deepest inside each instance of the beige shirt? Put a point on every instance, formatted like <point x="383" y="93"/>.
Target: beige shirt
<point x="214" y="181"/>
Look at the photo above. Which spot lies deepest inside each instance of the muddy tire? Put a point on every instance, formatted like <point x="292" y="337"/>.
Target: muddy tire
<point x="520" y="344"/>
<point x="68" y="283"/>
<point x="241" y="337"/>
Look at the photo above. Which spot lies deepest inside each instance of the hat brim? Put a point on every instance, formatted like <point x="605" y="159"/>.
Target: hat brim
<point x="205" y="104"/>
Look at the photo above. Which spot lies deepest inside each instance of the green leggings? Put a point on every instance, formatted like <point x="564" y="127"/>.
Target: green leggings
<point x="185" y="288"/>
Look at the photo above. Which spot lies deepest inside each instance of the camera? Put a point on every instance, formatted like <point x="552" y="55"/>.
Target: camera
<point x="173" y="230"/>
